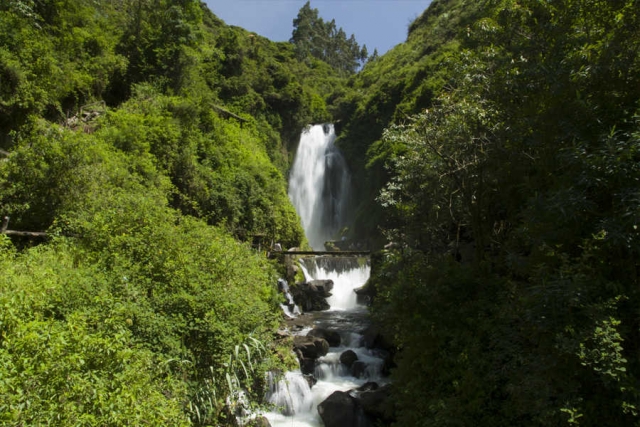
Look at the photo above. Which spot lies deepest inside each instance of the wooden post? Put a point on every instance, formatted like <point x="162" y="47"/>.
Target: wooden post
<point x="5" y="224"/>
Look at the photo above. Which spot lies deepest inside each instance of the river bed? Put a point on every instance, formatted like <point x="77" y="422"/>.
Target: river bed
<point x="296" y="403"/>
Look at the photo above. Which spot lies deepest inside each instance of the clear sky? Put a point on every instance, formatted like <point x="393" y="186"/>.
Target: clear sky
<point x="379" y="24"/>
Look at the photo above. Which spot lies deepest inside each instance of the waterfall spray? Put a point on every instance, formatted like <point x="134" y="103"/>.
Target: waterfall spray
<point x="319" y="185"/>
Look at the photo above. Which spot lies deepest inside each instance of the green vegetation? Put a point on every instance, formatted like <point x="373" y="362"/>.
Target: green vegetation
<point x="150" y="140"/>
<point x="123" y="321"/>
<point x="313" y="37"/>
<point x="511" y="186"/>
<point x="388" y="90"/>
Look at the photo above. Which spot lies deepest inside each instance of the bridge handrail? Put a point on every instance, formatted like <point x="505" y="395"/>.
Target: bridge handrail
<point x="336" y="253"/>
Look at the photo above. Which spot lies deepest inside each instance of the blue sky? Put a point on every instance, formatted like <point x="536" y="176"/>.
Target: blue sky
<point x="379" y="24"/>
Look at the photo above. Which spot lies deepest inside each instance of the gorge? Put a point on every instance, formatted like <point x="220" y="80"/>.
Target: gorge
<point x="494" y="172"/>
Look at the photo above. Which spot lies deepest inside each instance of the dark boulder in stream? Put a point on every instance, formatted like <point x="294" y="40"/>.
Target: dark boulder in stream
<point x="358" y="369"/>
<point x="341" y="410"/>
<point x="348" y="357"/>
<point x="307" y="366"/>
<point x="365" y="406"/>
<point x="312" y="295"/>
<point x="376" y="404"/>
<point x="311" y="347"/>
<point x="332" y="337"/>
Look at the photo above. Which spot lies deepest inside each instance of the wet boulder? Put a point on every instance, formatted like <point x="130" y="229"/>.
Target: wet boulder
<point x="341" y="410"/>
<point x="311" y="380"/>
<point x="307" y="366"/>
<point x="348" y="357"/>
<point x="332" y="337"/>
<point x="358" y="369"/>
<point x="311" y="347"/>
<point x="368" y="386"/>
<point x="321" y="287"/>
<point x="366" y="293"/>
<point x="311" y="296"/>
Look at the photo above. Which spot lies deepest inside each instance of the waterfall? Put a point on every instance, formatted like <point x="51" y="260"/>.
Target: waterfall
<point x="290" y="309"/>
<point x="291" y="394"/>
<point x="319" y="185"/>
<point x="347" y="273"/>
<point x="319" y="190"/>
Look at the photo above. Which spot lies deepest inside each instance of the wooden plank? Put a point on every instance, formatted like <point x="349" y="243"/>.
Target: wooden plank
<point x="334" y="253"/>
<point x="25" y="233"/>
<point x="5" y="225"/>
<point x="229" y="113"/>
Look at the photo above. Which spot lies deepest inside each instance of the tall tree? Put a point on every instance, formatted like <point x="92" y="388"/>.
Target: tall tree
<point x="312" y="36"/>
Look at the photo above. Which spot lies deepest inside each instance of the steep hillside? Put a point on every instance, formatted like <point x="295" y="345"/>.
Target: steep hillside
<point x="202" y="99"/>
<point x="511" y="153"/>
<point x="391" y="88"/>
<point x="149" y="140"/>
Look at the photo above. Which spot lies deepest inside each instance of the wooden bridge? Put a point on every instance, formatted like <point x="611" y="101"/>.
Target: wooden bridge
<point x="333" y="253"/>
<point x="287" y="259"/>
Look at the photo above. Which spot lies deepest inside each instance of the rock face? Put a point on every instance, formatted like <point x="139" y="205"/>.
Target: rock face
<point x="332" y="337"/>
<point x="340" y="410"/>
<point x="366" y="293"/>
<point x="323" y="287"/>
<point x="311" y="296"/>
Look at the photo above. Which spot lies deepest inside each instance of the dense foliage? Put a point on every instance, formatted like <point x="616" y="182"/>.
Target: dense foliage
<point x="389" y="89"/>
<point x="127" y="319"/>
<point x="513" y="193"/>
<point x="149" y="140"/>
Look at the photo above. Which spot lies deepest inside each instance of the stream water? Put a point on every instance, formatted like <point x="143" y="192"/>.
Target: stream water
<point x="319" y="187"/>
<point x="295" y="401"/>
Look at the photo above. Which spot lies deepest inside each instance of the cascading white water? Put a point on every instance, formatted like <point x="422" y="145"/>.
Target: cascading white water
<point x="319" y="189"/>
<point x="319" y="185"/>
<point x="296" y="403"/>
<point x="348" y="274"/>
<point x="291" y="394"/>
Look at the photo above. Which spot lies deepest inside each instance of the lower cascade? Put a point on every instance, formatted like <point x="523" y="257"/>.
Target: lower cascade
<point x="341" y="380"/>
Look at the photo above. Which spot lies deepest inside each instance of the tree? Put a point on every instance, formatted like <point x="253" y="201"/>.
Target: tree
<point x="514" y="299"/>
<point x="312" y="36"/>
